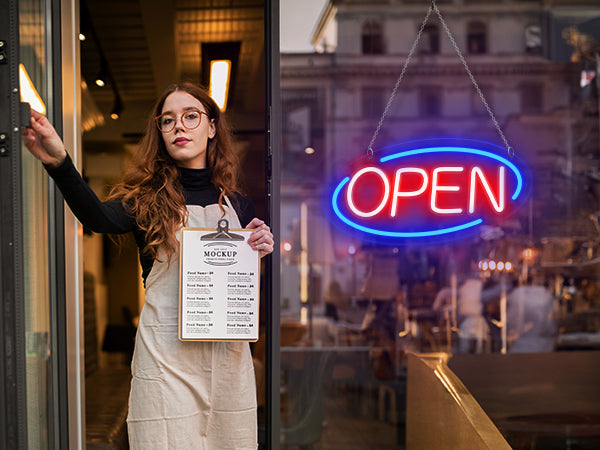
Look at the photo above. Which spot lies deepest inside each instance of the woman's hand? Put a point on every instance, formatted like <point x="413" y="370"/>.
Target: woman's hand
<point x="261" y="238"/>
<point x="43" y="142"/>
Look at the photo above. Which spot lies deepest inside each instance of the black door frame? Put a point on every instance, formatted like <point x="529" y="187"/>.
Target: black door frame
<point x="13" y="406"/>
<point x="273" y="174"/>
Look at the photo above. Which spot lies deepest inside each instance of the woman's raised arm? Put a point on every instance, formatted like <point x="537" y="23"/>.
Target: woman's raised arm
<point x="102" y="217"/>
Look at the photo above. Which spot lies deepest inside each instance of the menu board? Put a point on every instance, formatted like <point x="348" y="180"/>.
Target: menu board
<point x="219" y="285"/>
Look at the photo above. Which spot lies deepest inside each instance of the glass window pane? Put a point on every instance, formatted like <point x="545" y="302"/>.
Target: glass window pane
<point x="34" y="54"/>
<point x="353" y="306"/>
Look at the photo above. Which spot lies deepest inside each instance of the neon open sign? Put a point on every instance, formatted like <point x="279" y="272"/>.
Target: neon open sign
<point x="428" y="191"/>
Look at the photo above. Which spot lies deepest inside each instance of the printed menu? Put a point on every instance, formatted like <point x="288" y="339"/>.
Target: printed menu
<point x="219" y="285"/>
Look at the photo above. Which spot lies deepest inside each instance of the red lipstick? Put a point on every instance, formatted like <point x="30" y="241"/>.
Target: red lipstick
<point x="181" y="141"/>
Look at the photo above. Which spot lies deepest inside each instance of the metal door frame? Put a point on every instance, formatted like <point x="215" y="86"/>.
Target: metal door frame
<point x="13" y="406"/>
<point x="273" y="176"/>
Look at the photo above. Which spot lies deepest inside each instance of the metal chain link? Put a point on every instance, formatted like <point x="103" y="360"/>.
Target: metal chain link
<point x="434" y="7"/>
<point x="391" y="99"/>
<point x="509" y="149"/>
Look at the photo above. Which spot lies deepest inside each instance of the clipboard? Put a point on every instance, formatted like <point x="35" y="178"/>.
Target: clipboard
<point x="219" y="285"/>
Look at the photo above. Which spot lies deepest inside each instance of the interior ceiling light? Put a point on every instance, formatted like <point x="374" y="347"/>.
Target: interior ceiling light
<point x="117" y="108"/>
<point x="81" y="37"/>
<point x="309" y="150"/>
<point x="220" y="73"/>
<point x="29" y="93"/>
<point x="102" y="75"/>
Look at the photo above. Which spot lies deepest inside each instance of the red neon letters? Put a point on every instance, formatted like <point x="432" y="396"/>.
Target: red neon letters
<point x="433" y="184"/>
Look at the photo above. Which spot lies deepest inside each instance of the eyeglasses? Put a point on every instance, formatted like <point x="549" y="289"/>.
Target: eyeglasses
<point x="189" y="119"/>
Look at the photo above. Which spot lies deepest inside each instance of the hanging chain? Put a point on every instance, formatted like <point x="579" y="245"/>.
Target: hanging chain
<point x="509" y="149"/>
<point x="434" y="7"/>
<point x="391" y="99"/>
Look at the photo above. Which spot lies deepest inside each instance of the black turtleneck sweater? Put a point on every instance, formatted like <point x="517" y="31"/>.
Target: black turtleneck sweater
<point x="111" y="217"/>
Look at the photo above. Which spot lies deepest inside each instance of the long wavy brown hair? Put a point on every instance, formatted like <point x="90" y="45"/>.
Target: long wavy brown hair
<point x="151" y="190"/>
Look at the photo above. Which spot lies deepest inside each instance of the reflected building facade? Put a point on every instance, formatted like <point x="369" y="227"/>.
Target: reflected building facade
<point x="527" y="285"/>
<point x="333" y="99"/>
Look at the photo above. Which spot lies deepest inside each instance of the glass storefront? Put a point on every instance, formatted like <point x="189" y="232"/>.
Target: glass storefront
<point x="36" y="63"/>
<point x="353" y="307"/>
<point x="509" y="305"/>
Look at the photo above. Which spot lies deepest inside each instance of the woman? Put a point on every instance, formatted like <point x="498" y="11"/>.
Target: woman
<point x="184" y="395"/>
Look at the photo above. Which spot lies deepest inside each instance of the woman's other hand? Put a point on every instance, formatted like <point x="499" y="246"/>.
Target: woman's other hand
<point x="43" y="142"/>
<point x="261" y="238"/>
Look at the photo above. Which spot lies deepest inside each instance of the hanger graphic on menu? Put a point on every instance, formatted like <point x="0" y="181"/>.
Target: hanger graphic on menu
<point x="222" y="233"/>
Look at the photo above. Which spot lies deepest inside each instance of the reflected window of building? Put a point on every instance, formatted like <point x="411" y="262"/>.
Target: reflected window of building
<point x="430" y="101"/>
<point x="372" y="37"/>
<point x="533" y="39"/>
<point x="373" y="102"/>
<point x="303" y="135"/>
<point x="430" y="40"/>
<point x="532" y="98"/>
<point x="476" y="38"/>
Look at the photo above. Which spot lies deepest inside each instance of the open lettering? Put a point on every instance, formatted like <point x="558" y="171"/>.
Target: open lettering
<point x="430" y="191"/>
<point x="431" y="184"/>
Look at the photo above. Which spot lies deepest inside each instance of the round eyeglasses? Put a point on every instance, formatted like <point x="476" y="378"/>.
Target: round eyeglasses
<point x="189" y="119"/>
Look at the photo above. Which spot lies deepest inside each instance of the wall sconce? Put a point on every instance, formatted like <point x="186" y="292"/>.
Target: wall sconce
<point x="220" y="75"/>
<point x="29" y="93"/>
<point x="219" y="67"/>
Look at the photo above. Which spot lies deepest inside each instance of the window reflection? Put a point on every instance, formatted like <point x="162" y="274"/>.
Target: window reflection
<point x="476" y="38"/>
<point x="372" y="37"/>
<point x="430" y="40"/>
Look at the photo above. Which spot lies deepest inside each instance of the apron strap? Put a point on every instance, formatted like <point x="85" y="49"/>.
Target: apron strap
<point x="232" y="212"/>
<point x="228" y="203"/>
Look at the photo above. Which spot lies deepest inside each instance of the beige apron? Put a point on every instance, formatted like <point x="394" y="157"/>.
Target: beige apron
<point x="188" y="395"/>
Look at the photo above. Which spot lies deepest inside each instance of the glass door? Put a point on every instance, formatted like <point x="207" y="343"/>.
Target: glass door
<point x="35" y="61"/>
<point x="31" y="410"/>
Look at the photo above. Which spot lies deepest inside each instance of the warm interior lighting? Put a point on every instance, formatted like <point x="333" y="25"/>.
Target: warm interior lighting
<point x="491" y="265"/>
<point x="528" y="253"/>
<point x="117" y="107"/>
<point x="220" y="72"/>
<point x="309" y="150"/>
<point x="81" y="37"/>
<point x="287" y="247"/>
<point x="304" y="315"/>
<point x="100" y="82"/>
<point x="29" y="93"/>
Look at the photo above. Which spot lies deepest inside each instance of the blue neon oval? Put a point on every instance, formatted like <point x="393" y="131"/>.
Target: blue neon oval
<point x="425" y="233"/>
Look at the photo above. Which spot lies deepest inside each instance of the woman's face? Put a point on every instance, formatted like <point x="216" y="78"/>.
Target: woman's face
<point x="187" y="147"/>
